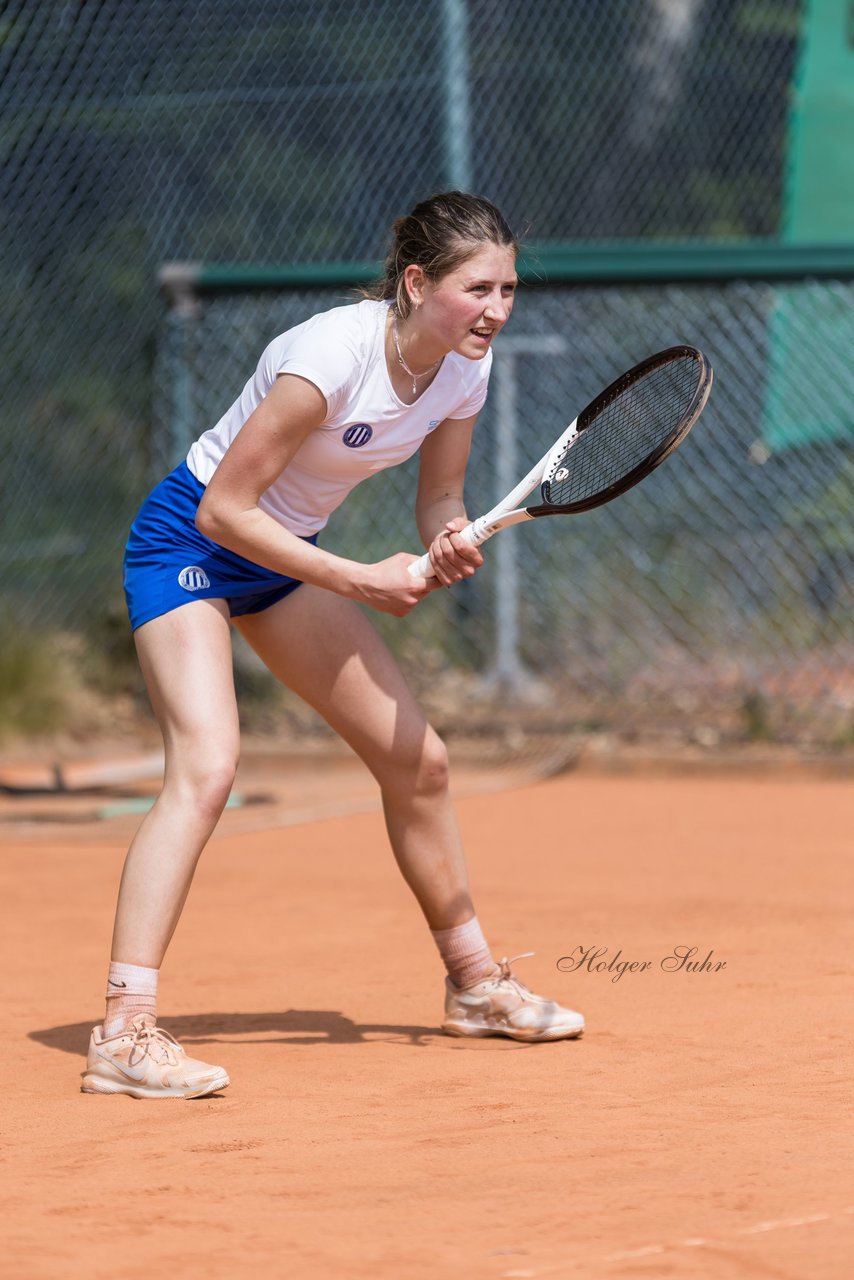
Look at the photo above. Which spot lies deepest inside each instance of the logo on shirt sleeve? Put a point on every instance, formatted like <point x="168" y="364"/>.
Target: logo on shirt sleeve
<point x="357" y="435"/>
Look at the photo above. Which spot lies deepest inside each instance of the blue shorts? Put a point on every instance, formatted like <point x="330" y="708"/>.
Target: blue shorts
<point x="169" y="563"/>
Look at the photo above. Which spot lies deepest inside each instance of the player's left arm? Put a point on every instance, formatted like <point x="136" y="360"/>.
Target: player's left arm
<point x="439" y="507"/>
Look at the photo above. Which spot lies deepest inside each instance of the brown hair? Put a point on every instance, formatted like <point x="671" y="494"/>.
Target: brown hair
<point x="438" y="235"/>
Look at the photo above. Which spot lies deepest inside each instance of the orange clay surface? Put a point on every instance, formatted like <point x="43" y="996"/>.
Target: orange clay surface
<point x="701" y="1128"/>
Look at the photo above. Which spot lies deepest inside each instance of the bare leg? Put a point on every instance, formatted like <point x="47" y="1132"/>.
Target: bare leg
<point x="324" y="649"/>
<point x="186" y="661"/>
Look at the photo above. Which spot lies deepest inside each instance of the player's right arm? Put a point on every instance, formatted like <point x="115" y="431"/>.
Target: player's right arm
<point x="229" y="513"/>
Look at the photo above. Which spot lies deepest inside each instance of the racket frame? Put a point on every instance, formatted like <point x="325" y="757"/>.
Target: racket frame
<point x="654" y="459"/>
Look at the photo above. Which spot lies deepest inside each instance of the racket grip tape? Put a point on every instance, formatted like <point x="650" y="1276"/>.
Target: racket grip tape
<point x="474" y="533"/>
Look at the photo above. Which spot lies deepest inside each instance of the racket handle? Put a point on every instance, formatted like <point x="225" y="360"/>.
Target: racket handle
<point x="475" y="533"/>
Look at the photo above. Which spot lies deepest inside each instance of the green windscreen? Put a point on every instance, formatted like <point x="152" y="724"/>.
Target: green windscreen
<point x="812" y="331"/>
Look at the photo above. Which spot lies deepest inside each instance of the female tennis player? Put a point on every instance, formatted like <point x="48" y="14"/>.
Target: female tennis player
<point x="229" y="538"/>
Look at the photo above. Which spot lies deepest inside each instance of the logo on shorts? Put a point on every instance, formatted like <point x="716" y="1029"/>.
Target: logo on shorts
<point x="357" y="435"/>
<point x="193" y="578"/>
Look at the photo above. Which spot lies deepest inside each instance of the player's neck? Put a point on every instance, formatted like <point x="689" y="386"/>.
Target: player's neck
<point x="413" y="362"/>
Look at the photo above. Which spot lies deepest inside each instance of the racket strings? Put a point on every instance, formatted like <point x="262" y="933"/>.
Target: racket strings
<point x="633" y="427"/>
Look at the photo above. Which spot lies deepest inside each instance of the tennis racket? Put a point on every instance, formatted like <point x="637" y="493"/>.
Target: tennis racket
<point x="622" y="435"/>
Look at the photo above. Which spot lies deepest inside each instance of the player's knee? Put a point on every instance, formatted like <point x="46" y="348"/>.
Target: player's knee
<point x="209" y="779"/>
<point x="418" y="767"/>
<point x="217" y="782"/>
<point x="432" y="773"/>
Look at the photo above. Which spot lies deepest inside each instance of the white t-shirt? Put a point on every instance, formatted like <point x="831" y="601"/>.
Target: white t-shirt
<point x="367" y="428"/>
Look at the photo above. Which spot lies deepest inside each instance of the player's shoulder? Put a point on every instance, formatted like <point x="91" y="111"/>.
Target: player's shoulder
<point x="354" y="324"/>
<point x="334" y="343"/>
<point x="471" y="374"/>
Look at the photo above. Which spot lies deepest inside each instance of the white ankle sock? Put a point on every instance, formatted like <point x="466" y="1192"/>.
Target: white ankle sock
<point x="465" y="953"/>
<point x="131" y="991"/>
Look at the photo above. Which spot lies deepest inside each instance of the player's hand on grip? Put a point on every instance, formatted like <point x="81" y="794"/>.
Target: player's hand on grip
<point x="389" y="587"/>
<point x="452" y="558"/>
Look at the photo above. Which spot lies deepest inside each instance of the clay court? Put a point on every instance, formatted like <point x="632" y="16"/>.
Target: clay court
<point x="649" y="706"/>
<point x="701" y="1128"/>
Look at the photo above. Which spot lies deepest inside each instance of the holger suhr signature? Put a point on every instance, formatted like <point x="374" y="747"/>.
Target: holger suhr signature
<point x="679" y="960"/>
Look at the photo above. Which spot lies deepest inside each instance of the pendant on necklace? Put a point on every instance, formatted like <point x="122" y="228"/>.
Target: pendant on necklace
<point x="403" y="363"/>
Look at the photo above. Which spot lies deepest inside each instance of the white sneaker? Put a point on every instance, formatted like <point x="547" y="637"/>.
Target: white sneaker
<point x="146" y="1062"/>
<point x="502" y="1006"/>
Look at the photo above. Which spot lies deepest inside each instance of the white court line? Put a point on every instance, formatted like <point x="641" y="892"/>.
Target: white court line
<point x="783" y="1222"/>
<point x="689" y="1242"/>
<point x="643" y="1252"/>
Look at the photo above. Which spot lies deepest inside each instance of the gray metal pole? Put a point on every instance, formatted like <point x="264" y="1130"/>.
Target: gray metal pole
<point x="455" y="50"/>
<point x="508" y="671"/>
<point x="507" y="668"/>
<point x="178" y="280"/>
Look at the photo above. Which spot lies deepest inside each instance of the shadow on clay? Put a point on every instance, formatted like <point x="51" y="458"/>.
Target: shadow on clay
<point x="296" y="1026"/>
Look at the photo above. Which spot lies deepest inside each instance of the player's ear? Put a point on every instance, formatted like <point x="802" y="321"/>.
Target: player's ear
<point x="414" y="281"/>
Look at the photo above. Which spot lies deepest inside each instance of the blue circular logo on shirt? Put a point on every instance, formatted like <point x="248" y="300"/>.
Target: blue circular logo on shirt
<point x="357" y="435"/>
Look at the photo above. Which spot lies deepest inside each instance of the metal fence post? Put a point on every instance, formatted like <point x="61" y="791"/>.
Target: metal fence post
<point x="178" y="281"/>
<point x="508" y="672"/>
<point x="455" y="50"/>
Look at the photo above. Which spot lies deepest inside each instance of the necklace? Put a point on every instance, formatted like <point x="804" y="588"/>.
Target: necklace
<point x="404" y="365"/>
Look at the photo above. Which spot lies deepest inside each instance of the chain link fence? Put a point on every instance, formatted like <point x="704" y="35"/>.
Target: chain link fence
<point x="133" y="135"/>
<point x="716" y="598"/>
